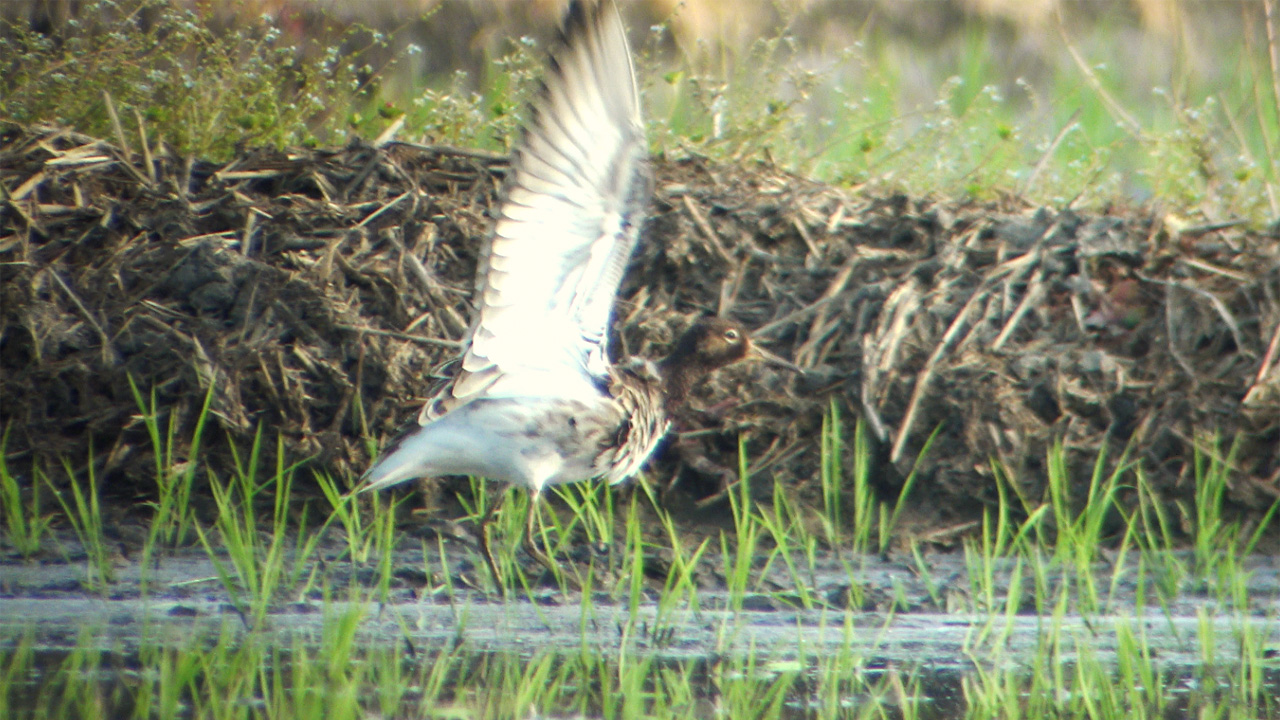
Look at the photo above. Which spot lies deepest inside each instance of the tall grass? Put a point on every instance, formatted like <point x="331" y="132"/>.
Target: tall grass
<point x="257" y="564"/>
<point x="174" y="477"/>
<point x="84" y="513"/>
<point x="1194" y="126"/>
<point x="1044" y="554"/>
<point x="25" y="523"/>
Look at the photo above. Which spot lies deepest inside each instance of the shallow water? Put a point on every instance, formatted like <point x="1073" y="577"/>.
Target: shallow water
<point x="897" y="621"/>
<point x="940" y="641"/>
<point x="905" y="637"/>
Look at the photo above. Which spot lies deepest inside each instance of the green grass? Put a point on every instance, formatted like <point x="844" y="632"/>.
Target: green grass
<point x="173" y="521"/>
<point x="257" y="565"/>
<point x="1043" y="555"/>
<point x="25" y="523"/>
<point x="338" y="677"/>
<point x="1086" y="127"/>
<point x="150" y="71"/>
<point x="83" y="512"/>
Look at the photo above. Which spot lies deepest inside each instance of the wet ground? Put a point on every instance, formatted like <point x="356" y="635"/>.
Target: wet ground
<point x="892" y="611"/>
<point x="930" y="620"/>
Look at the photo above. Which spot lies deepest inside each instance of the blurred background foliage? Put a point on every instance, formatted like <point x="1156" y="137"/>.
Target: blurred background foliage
<point x="1092" y="103"/>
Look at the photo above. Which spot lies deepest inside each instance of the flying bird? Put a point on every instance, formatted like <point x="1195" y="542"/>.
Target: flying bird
<point x="534" y="399"/>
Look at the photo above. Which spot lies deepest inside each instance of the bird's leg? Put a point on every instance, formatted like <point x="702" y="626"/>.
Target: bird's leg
<point x="485" y="522"/>
<point x="530" y="544"/>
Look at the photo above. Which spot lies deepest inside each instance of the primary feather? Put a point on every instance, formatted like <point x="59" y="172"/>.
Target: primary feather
<point x="568" y="222"/>
<point x="531" y="400"/>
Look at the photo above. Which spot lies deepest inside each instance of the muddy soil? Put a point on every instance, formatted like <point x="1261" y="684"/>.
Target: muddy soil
<point x="310" y="293"/>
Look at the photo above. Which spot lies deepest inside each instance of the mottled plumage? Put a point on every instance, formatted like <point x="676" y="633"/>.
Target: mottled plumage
<point x="534" y="400"/>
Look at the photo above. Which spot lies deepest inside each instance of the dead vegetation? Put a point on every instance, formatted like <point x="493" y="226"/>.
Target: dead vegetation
<point x="312" y="291"/>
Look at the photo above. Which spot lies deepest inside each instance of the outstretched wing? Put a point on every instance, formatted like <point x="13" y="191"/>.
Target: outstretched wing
<point x="569" y="219"/>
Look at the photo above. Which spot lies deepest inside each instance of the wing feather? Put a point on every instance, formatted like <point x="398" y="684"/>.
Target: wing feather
<point x="568" y="221"/>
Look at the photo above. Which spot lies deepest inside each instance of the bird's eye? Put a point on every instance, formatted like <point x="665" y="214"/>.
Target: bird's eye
<point x="731" y="335"/>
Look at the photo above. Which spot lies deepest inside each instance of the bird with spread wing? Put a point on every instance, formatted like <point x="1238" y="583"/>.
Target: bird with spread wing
<point x="534" y="399"/>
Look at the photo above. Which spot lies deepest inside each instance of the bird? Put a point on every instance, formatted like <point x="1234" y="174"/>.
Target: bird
<point x="534" y="400"/>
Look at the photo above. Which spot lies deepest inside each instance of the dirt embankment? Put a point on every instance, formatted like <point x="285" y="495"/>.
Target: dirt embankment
<point x="311" y="292"/>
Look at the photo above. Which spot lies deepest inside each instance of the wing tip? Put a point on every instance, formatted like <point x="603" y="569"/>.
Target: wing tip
<point x="597" y="27"/>
<point x="581" y="16"/>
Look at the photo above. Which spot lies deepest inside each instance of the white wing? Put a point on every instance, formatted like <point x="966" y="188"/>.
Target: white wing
<point x="569" y="219"/>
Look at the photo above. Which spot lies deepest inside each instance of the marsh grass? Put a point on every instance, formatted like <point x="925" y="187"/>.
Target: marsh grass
<point x="173" y="520"/>
<point x="1215" y="535"/>
<point x="256" y="564"/>
<point x="506" y="517"/>
<point x="83" y="512"/>
<point x="1064" y="556"/>
<point x="25" y="523"/>
<point x="337" y="678"/>
<point x="871" y="520"/>
<point x="367" y="535"/>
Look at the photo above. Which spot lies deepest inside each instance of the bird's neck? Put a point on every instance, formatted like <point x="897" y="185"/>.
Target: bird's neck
<point x="678" y="378"/>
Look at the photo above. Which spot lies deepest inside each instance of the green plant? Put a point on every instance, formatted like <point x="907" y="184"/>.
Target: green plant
<point x="84" y="513"/>
<point x="261" y="562"/>
<point x="831" y="475"/>
<point x="871" y="517"/>
<point x="363" y="535"/>
<point x="739" y="559"/>
<point x="184" y="76"/>
<point x="25" y="526"/>
<point x="173" y="515"/>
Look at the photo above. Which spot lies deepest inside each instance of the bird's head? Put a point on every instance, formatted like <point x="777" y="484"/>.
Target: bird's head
<point x="710" y="343"/>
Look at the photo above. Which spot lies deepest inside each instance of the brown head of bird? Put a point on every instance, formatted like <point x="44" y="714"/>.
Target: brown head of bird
<point x="709" y="344"/>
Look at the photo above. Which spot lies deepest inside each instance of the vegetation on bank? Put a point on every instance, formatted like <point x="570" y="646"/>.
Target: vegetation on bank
<point x="1074" y="555"/>
<point x="1204" y="139"/>
<point x="150" y="72"/>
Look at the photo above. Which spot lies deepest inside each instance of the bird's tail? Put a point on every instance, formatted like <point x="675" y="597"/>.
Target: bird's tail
<point x="402" y="461"/>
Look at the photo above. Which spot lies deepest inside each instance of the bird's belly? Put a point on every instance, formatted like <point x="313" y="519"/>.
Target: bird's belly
<point x="527" y="441"/>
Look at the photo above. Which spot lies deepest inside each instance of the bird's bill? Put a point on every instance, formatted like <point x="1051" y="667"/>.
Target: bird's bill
<point x="762" y="354"/>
